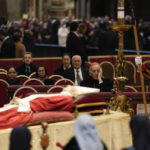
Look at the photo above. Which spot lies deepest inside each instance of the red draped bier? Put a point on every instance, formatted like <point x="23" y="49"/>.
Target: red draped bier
<point x="11" y="117"/>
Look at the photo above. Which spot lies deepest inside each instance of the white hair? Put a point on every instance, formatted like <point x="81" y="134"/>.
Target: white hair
<point x="76" y="56"/>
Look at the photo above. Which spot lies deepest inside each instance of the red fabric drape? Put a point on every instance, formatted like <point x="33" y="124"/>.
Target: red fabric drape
<point x="63" y="103"/>
<point x="11" y="118"/>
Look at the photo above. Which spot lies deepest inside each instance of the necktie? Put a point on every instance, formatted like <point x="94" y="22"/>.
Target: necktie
<point x="27" y="70"/>
<point x="78" y="77"/>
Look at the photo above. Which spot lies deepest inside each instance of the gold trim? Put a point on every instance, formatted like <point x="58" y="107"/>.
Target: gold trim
<point x="35" y="58"/>
<point x="93" y="112"/>
<point x="114" y="56"/>
<point x="76" y="112"/>
<point x="60" y="58"/>
<point x="91" y="104"/>
<point x="146" y="61"/>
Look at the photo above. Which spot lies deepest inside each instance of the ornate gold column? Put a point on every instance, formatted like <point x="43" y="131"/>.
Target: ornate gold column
<point x="119" y="101"/>
<point x="120" y="68"/>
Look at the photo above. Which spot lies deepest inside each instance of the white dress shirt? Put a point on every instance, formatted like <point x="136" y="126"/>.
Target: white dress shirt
<point x="80" y="74"/>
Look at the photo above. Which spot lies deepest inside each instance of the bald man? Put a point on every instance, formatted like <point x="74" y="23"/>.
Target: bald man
<point x="96" y="80"/>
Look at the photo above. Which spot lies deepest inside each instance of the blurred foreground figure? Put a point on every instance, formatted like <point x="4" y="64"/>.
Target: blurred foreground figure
<point x="20" y="138"/>
<point x="86" y="135"/>
<point x="140" y="128"/>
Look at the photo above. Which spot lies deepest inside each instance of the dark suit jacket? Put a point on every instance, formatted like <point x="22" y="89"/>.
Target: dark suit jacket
<point x="107" y="42"/>
<point x="70" y="74"/>
<point x="22" y="69"/>
<point x="60" y="71"/>
<point x="15" y="81"/>
<point x="105" y="86"/>
<point x="48" y="82"/>
<point x="8" y="49"/>
<point x="75" y="46"/>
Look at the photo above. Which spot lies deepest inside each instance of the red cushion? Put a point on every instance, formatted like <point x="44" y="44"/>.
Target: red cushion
<point x="91" y="98"/>
<point x="50" y="116"/>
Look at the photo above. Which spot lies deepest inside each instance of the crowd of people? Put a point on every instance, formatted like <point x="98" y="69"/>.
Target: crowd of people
<point x="95" y="32"/>
<point x="73" y="70"/>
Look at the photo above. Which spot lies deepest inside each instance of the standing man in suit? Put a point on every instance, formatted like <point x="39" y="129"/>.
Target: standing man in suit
<point x="65" y="66"/>
<point x="27" y="67"/>
<point x="108" y="40"/>
<point x="74" y="45"/>
<point x="76" y="73"/>
<point x="7" y="48"/>
<point x="96" y="79"/>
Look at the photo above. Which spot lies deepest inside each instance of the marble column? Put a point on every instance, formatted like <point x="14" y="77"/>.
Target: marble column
<point x="77" y="8"/>
<point x="40" y="9"/>
<point x="82" y="8"/>
<point x="88" y="9"/>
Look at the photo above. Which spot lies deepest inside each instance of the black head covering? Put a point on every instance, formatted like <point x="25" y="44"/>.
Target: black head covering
<point x="140" y="127"/>
<point x="20" y="138"/>
<point x="72" y="145"/>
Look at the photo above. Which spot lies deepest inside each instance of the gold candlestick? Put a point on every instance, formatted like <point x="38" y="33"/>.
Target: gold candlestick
<point x="120" y="101"/>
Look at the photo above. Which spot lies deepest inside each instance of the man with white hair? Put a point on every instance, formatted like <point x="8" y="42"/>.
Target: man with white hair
<point x="96" y="80"/>
<point x="76" y="73"/>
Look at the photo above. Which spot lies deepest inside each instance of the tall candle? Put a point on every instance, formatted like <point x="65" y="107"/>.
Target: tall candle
<point x="120" y="12"/>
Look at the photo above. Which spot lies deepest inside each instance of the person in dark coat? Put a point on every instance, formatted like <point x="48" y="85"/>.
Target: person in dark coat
<point x="65" y="66"/>
<point x="96" y="80"/>
<point x="12" y="77"/>
<point x="27" y="67"/>
<point x="7" y="48"/>
<point x="74" y="44"/>
<point x="20" y="138"/>
<point x="28" y="40"/>
<point x="76" y="73"/>
<point x="41" y="74"/>
<point x="140" y="128"/>
<point x="107" y="40"/>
